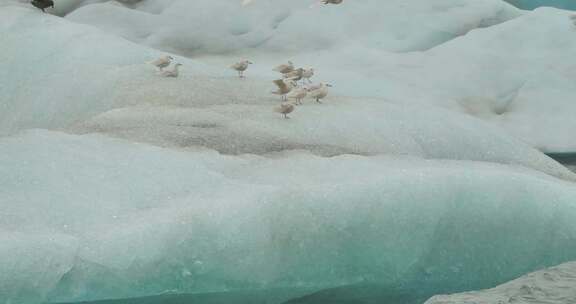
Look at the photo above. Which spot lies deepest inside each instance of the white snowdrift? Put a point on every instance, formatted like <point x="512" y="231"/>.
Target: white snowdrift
<point x="555" y="285"/>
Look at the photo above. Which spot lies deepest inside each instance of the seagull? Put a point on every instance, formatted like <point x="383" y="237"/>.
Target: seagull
<point x="307" y="74"/>
<point x="285" y="108"/>
<point x="319" y="92"/>
<point x="299" y="94"/>
<point x="283" y="87"/>
<point x="43" y="4"/>
<point x="162" y="62"/>
<point x="174" y="72"/>
<point x="295" y="75"/>
<point x="284" y="68"/>
<point x="241" y="67"/>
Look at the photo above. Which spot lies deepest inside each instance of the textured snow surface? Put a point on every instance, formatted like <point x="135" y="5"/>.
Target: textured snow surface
<point x="419" y="169"/>
<point x="206" y="26"/>
<point x="555" y="285"/>
<point x="123" y="219"/>
<point x="111" y="89"/>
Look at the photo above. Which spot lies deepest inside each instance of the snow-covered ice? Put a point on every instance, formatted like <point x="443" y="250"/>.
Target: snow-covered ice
<point x="205" y="107"/>
<point x="423" y="167"/>
<point x="200" y="222"/>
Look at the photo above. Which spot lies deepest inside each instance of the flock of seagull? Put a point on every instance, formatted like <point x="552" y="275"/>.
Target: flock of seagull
<point x="288" y="88"/>
<point x="291" y="92"/>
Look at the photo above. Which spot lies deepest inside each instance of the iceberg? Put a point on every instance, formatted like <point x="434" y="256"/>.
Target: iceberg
<point x="132" y="220"/>
<point x="115" y="92"/>
<point x="422" y="167"/>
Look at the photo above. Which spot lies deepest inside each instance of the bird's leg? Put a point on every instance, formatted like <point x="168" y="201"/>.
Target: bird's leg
<point x="318" y="100"/>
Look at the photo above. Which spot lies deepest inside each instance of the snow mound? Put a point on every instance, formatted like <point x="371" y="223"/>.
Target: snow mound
<point x="555" y="285"/>
<point x="208" y="27"/>
<point x="132" y="219"/>
<point x="116" y="92"/>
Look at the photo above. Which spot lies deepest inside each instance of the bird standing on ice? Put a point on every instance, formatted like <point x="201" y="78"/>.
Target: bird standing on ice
<point x="241" y="67"/>
<point x="298" y="94"/>
<point x="285" y="108"/>
<point x="284" y="87"/>
<point x="174" y="72"/>
<point x="295" y="75"/>
<point x="307" y="74"/>
<point x="162" y="62"/>
<point x="43" y="4"/>
<point x="284" y="68"/>
<point x="319" y="92"/>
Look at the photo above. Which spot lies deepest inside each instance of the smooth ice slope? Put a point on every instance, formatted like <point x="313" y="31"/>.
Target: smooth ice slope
<point x="209" y="107"/>
<point x="555" y="285"/>
<point x="131" y="219"/>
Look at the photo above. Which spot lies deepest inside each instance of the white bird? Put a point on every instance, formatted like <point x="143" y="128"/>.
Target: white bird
<point x="319" y="92"/>
<point x="174" y="72"/>
<point x="298" y="94"/>
<point x="307" y="74"/>
<point x="284" y="68"/>
<point x="162" y="62"/>
<point x="284" y="87"/>
<point x="285" y="108"/>
<point x="241" y="67"/>
<point x="295" y="75"/>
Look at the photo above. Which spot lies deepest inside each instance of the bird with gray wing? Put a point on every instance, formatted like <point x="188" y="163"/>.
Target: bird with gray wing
<point x="284" y="68"/>
<point x="319" y="92"/>
<point x="43" y="4"/>
<point x="241" y="66"/>
<point x="284" y="87"/>
<point x="162" y="62"/>
<point x="285" y="108"/>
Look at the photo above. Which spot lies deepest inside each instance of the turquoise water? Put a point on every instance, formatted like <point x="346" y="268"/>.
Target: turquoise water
<point x="359" y="294"/>
<point x="532" y="4"/>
